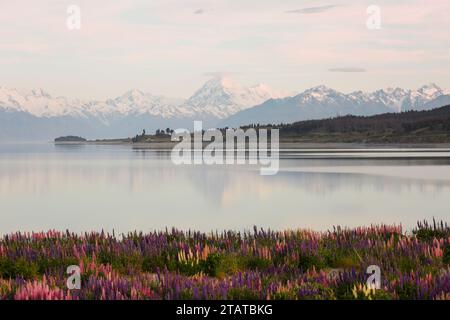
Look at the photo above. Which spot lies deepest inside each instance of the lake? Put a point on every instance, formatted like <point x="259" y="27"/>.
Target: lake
<point x="94" y="187"/>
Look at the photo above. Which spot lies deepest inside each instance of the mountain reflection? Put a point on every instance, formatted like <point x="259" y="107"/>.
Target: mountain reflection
<point x="142" y="188"/>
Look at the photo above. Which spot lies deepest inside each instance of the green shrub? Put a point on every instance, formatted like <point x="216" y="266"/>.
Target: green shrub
<point x="45" y="265"/>
<point x="407" y="291"/>
<point x="228" y="265"/>
<point x="219" y="265"/>
<point x="428" y="231"/>
<point x="255" y="263"/>
<point x="188" y="269"/>
<point x="429" y="234"/>
<point x="211" y="264"/>
<point x="406" y="264"/>
<point x="446" y="257"/>
<point x="11" y="269"/>
<point x="152" y="264"/>
<point x="344" y="291"/>
<point x="307" y="262"/>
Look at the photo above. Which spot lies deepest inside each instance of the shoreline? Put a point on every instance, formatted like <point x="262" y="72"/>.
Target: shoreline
<point x="283" y="144"/>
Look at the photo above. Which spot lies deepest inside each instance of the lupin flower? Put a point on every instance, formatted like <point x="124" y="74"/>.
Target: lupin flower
<point x="263" y="264"/>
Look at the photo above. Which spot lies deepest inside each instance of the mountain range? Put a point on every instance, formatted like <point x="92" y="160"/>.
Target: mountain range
<point x="322" y="102"/>
<point x="36" y="115"/>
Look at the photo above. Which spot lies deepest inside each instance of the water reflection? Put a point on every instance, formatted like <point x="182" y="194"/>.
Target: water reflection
<point x="112" y="187"/>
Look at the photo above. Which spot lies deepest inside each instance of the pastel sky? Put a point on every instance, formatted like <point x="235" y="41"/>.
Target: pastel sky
<point x="170" y="47"/>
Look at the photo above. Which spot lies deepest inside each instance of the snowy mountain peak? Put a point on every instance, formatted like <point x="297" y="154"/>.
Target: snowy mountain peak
<point x="224" y="82"/>
<point x="318" y="94"/>
<point x="40" y="93"/>
<point x="131" y="97"/>
<point x="391" y="90"/>
<point x="320" y="88"/>
<point x="322" y="102"/>
<point x="219" y="102"/>
<point x="261" y="86"/>
<point x="218" y="98"/>
<point x="221" y="97"/>
<point x="218" y="83"/>
<point x="133" y="94"/>
<point x="431" y="90"/>
<point x="39" y="103"/>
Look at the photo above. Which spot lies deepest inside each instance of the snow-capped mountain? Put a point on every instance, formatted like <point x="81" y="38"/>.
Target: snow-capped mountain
<point x="217" y="98"/>
<point x="220" y="97"/>
<point x="323" y="102"/>
<point x="124" y="115"/>
<point x="36" y="115"/>
<point x="38" y="103"/>
<point x="41" y="104"/>
<point x="134" y="103"/>
<point x="401" y="100"/>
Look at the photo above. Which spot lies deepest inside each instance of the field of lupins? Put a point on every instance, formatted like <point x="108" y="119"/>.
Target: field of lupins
<point x="230" y="265"/>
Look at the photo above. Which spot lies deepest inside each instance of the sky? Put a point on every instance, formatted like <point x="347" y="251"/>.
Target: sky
<point x="171" y="47"/>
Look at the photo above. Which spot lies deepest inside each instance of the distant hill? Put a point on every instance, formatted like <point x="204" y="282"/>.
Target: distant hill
<point x="432" y="126"/>
<point x="70" y="139"/>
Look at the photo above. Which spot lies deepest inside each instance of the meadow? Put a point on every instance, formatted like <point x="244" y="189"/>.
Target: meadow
<point x="257" y="264"/>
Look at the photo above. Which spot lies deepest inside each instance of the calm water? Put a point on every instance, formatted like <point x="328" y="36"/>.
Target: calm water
<point x="85" y="188"/>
